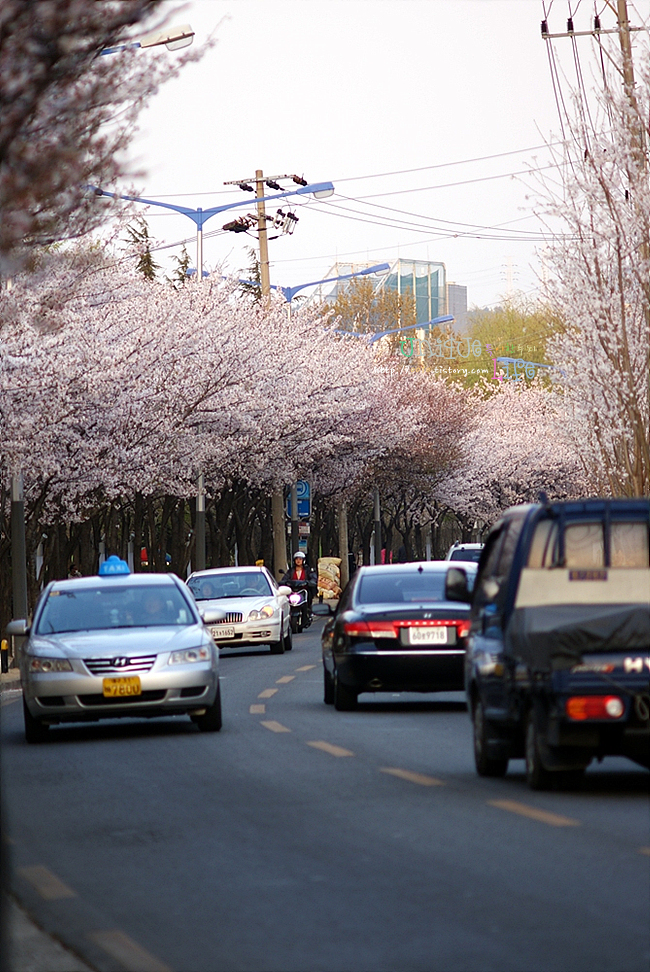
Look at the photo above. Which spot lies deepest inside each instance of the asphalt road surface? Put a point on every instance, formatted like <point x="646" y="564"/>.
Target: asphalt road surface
<point x="301" y="839"/>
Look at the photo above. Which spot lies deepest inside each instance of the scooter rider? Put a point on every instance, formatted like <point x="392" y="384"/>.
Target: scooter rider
<point x="301" y="574"/>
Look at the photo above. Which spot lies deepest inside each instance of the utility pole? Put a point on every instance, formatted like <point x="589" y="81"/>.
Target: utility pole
<point x="277" y="498"/>
<point x="377" y="527"/>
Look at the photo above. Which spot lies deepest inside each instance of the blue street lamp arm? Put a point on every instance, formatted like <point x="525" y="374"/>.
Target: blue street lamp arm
<point x="290" y="292"/>
<point x="436" y="320"/>
<point x="201" y="216"/>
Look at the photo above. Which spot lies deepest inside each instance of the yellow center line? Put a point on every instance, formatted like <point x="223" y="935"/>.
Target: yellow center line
<point x="329" y="748"/>
<point x="267" y="693"/>
<point x="644" y="850"/>
<point x="274" y="726"/>
<point x="127" y="952"/>
<point x="47" y="884"/>
<point x="411" y="777"/>
<point x="544" y="816"/>
<point x="284" y="679"/>
<point x="257" y="709"/>
<point x="305" y="668"/>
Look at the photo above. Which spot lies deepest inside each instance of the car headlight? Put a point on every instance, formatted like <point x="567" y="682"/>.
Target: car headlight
<point x="37" y="664"/>
<point x="266" y="612"/>
<point x="189" y="655"/>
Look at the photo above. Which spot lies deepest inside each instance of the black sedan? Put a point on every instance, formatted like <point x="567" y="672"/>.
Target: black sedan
<point x="398" y="628"/>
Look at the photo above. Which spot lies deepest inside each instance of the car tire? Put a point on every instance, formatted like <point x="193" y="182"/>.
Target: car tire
<point x="35" y="730"/>
<point x="537" y="776"/>
<point x="328" y="688"/>
<point x="277" y="647"/>
<point x="288" y="641"/>
<point x="211" y="720"/>
<point x="345" y="698"/>
<point x="485" y="765"/>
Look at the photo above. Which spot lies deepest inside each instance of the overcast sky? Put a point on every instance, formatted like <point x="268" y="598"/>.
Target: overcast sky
<point x="356" y="92"/>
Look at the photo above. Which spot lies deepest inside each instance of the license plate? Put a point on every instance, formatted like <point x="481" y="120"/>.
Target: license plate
<point x="427" y="636"/>
<point x="124" y="685"/>
<point x="220" y="632"/>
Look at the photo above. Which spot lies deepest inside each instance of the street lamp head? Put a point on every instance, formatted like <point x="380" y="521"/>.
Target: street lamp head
<point x="323" y="193"/>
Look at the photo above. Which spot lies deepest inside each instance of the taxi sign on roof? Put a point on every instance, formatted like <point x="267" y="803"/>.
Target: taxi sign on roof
<point x="113" y="566"/>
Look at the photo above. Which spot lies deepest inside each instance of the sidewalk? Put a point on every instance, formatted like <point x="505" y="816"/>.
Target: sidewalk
<point x="28" y="949"/>
<point x="10" y="679"/>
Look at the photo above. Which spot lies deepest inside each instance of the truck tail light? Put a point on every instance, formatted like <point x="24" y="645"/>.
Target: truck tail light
<point x="581" y="707"/>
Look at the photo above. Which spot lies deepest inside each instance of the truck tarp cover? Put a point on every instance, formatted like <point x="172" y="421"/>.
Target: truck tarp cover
<point x="558" y="635"/>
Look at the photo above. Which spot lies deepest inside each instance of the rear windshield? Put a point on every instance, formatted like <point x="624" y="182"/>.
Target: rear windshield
<point x="109" y="606"/>
<point x="584" y="545"/>
<point x="470" y="555"/>
<point x="391" y="587"/>
<point x="235" y="584"/>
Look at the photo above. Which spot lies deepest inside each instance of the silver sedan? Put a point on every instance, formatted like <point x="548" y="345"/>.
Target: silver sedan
<point x="256" y="609"/>
<point x="110" y="646"/>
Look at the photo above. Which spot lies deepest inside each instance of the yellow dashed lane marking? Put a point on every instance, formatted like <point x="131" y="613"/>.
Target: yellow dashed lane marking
<point x="127" y="952"/>
<point x="544" y="816"/>
<point x="305" y="668"/>
<point x="644" y="850"/>
<point x="267" y="693"/>
<point x="47" y="884"/>
<point x="329" y="748"/>
<point x="284" y="679"/>
<point x="411" y="777"/>
<point x="257" y="709"/>
<point x="274" y="726"/>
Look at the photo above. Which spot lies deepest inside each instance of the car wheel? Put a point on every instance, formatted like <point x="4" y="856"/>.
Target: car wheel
<point x="485" y="765"/>
<point x="35" y="730"/>
<point x="537" y="776"/>
<point x="211" y="720"/>
<point x="345" y="698"/>
<point x="277" y="647"/>
<point x="328" y="685"/>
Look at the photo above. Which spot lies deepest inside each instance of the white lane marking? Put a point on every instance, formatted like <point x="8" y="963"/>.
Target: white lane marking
<point x="274" y="726"/>
<point x="267" y="693"/>
<point x="329" y="748"/>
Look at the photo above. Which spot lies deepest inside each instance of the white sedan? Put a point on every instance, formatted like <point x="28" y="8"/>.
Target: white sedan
<point x="257" y="610"/>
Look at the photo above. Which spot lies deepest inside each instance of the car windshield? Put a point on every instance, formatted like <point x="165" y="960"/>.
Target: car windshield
<point x="110" y="606"/>
<point x="391" y="587"/>
<point x="235" y="584"/>
<point x="472" y="555"/>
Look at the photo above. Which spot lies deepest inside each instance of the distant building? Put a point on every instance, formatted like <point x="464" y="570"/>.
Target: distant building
<point x="425" y="280"/>
<point x="457" y="305"/>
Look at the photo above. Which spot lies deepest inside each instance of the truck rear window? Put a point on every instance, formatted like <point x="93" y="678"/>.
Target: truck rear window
<point x="584" y="545"/>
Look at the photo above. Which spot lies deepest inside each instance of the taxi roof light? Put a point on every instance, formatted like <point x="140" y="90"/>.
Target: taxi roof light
<point x="113" y="567"/>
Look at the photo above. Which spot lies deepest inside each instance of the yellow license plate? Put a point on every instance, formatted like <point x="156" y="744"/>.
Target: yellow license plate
<point x="125" y="685"/>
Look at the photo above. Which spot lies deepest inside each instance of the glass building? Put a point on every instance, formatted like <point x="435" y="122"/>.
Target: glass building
<point x="423" y="279"/>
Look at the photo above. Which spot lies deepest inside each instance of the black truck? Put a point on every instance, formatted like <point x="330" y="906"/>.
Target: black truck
<point x="558" y="655"/>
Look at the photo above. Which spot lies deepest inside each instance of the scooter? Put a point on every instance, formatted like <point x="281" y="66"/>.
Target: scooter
<point x="300" y="614"/>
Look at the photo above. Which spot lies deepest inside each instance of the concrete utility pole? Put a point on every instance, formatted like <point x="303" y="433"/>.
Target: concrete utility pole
<point x="377" y="527"/>
<point x="199" y="546"/>
<point x="343" y="544"/>
<point x="18" y="549"/>
<point x="265" y="277"/>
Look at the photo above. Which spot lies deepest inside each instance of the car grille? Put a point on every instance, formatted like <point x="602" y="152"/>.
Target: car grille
<point x="233" y="617"/>
<point x="153" y="695"/>
<point x="108" y="666"/>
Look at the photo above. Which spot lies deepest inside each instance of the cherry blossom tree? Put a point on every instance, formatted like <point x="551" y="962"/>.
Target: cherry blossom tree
<point x="66" y="113"/>
<point x="517" y="446"/>
<point x="600" y="281"/>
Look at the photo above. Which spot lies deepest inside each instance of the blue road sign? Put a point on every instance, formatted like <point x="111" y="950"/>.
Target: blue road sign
<point x="304" y="500"/>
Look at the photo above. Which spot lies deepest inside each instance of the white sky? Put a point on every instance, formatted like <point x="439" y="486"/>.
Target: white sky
<point x="343" y="90"/>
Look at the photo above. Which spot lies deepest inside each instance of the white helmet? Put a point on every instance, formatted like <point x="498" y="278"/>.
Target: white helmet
<point x="298" y="554"/>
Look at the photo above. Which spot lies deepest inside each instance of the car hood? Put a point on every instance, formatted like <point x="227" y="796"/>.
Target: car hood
<point x="118" y="641"/>
<point x="242" y="604"/>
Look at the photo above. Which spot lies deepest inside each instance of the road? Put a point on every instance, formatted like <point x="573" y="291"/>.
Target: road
<point x="301" y="839"/>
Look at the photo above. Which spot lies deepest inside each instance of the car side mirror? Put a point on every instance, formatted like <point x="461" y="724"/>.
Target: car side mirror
<point x="322" y="609"/>
<point x="18" y="629"/>
<point x="456" y="588"/>
<point x="212" y="615"/>
<point x="285" y="589"/>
